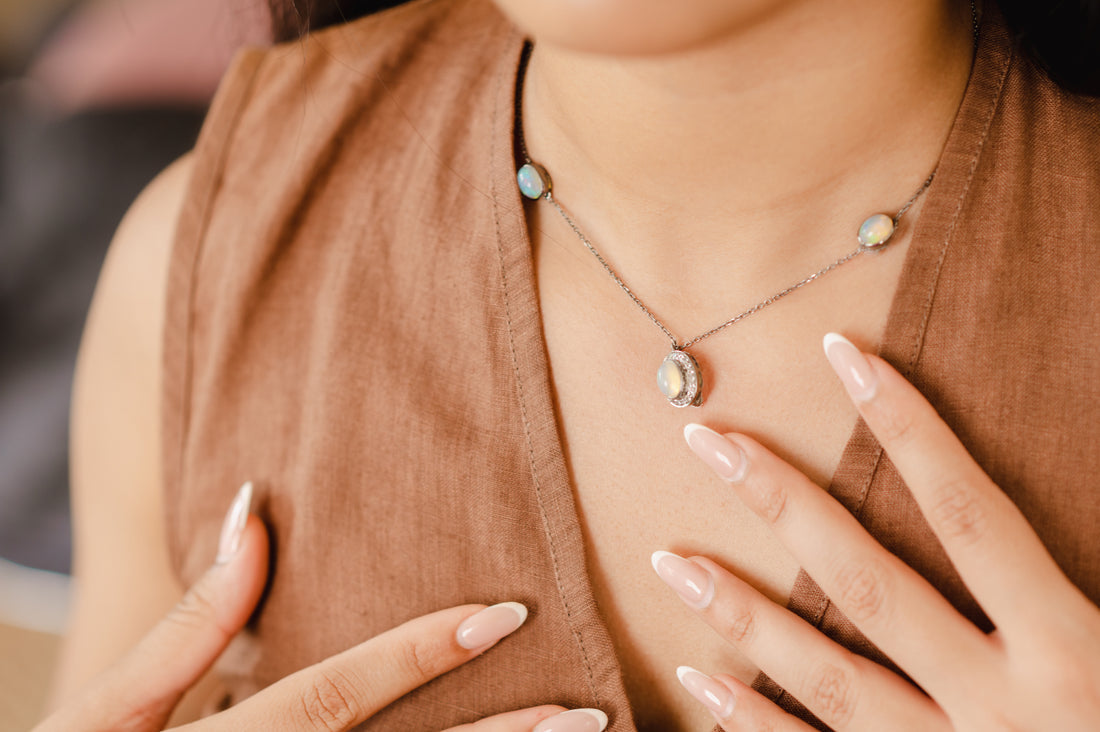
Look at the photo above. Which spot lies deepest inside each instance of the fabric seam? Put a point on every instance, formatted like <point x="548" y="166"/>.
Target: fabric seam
<point x="523" y="400"/>
<point x="918" y="344"/>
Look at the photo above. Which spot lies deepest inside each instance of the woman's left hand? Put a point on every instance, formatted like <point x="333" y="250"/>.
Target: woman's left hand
<point x="1039" y="670"/>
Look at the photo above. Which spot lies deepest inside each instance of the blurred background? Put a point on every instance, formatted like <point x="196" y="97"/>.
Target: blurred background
<point x="96" y="97"/>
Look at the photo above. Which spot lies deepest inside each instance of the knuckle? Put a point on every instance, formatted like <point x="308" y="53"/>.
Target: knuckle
<point x="771" y="501"/>
<point x="895" y="427"/>
<point x="832" y="694"/>
<point x="330" y="702"/>
<point x="861" y="589"/>
<point x="738" y="624"/>
<point x="134" y="715"/>
<point x="195" y="609"/>
<point x="421" y="659"/>
<point x="956" y="513"/>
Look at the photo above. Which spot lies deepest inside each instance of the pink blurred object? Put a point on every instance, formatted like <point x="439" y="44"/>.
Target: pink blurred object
<point x="139" y="52"/>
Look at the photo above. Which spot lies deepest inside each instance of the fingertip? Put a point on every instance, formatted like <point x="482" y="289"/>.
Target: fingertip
<point x="484" y="628"/>
<point x="656" y="557"/>
<point x="731" y="682"/>
<point x="574" y="720"/>
<point x="851" y="366"/>
<point x="518" y="608"/>
<point x="831" y="338"/>
<point x="545" y="712"/>
<point x="241" y="580"/>
<point x="229" y="541"/>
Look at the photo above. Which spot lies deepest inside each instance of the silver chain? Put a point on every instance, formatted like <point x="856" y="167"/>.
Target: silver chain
<point x="745" y="313"/>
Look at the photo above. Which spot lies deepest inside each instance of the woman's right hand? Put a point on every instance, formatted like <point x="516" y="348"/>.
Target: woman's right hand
<point x="140" y="692"/>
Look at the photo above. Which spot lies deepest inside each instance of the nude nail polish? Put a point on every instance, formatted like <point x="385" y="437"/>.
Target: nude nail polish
<point x="575" y="720"/>
<point x="484" y="628"/>
<point x="233" y="525"/>
<point x="687" y="579"/>
<point x="724" y="457"/>
<point x="851" y="366"/>
<point x="712" y="694"/>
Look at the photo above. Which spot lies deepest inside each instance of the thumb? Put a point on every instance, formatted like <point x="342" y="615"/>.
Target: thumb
<point x="145" y="687"/>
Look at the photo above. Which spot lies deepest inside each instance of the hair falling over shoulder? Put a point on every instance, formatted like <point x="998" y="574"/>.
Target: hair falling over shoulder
<point x="1062" y="37"/>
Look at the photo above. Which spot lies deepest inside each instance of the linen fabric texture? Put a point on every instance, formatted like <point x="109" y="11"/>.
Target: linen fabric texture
<point x="353" y="325"/>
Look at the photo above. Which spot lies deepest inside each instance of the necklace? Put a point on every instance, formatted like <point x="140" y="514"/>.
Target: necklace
<point x="679" y="376"/>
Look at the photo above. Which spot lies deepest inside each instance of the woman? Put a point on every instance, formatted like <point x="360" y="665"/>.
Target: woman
<point x="441" y="396"/>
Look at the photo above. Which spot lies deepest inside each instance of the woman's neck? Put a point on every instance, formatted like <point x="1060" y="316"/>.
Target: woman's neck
<point x="821" y="111"/>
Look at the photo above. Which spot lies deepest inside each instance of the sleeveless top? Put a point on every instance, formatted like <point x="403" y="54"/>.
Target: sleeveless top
<point x="353" y="325"/>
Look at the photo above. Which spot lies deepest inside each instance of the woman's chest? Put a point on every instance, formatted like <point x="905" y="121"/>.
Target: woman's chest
<point x="637" y="486"/>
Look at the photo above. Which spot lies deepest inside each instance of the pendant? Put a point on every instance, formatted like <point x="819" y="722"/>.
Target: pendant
<point x="680" y="379"/>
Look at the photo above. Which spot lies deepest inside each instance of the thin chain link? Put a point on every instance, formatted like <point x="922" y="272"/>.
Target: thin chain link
<point x="743" y="314"/>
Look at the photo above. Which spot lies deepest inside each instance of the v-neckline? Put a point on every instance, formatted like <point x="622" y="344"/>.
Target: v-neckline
<point x="901" y="344"/>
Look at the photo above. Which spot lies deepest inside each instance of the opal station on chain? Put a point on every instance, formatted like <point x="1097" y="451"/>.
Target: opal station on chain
<point x="679" y="377"/>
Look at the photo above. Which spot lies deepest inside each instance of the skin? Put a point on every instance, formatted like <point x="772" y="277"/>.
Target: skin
<point x="1038" y="670"/>
<point x="139" y="693"/>
<point x="138" y="665"/>
<point x="631" y="129"/>
<point x="633" y="133"/>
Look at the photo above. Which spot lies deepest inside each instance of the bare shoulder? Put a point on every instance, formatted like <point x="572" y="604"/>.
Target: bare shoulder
<point x="124" y="580"/>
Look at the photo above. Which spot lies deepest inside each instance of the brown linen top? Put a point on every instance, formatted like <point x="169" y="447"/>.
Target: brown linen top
<point x="353" y="325"/>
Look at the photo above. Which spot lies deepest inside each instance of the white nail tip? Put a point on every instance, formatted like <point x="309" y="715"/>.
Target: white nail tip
<point x="244" y="495"/>
<point x="599" y="716"/>
<point x="682" y="671"/>
<point x="235" y="521"/>
<point x="657" y="556"/>
<point x="518" y="608"/>
<point x="693" y="427"/>
<point x="831" y="338"/>
<point x="571" y="719"/>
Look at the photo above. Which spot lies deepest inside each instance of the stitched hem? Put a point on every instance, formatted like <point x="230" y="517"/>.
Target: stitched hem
<point x="521" y="393"/>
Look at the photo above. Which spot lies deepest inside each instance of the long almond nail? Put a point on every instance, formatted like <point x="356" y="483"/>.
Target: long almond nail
<point x="233" y="525"/>
<point x="483" y="629"/>
<point x="711" y="693"/>
<point x="851" y="366"/>
<point x="575" y="720"/>
<point x="724" y="457"/>
<point x="691" y="582"/>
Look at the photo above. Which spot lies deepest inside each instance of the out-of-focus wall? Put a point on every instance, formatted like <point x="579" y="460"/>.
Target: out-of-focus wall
<point x="21" y="23"/>
<point x="96" y="96"/>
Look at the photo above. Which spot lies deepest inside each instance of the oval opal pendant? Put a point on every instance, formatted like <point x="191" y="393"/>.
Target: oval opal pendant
<point x="533" y="181"/>
<point x="876" y="231"/>
<point x="680" y="380"/>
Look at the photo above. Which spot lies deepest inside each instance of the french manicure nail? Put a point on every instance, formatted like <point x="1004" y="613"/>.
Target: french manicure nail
<point x="724" y="457"/>
<point x="851" y="366"/>
<point x="233" y="525"/>
<point x="711" y="693"/>
<point x="575" y="720"/>
<point x="691" y="582"/>
<point x="490" y="625"/>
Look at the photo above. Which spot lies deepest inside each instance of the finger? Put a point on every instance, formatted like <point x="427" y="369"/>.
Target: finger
<point x="735" y="706"/>
<point x="346" y="689"/>
<point x="844" y="690"/>
<point x="540" y="719"/>
<point x="989" y="541"/>
<point x="141" y="691"/>
<point x="523" y="720"/>
<point x="886" y="599"/>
